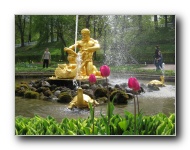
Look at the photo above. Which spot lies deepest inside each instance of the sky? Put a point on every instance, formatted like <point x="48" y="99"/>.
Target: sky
<point x="9" y="8"/>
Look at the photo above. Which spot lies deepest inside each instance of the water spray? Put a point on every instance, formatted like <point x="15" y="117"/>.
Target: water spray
<point x="76" y="29"/>
<point x="78" y="59"/>
<point x="162" y="69"/>
<point x="78" y="74"/>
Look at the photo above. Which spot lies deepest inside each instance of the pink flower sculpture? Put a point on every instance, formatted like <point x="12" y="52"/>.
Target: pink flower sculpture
<point x="105" y="71"/>
<point x="92" y="78"/>
<point x="133" y="84"/>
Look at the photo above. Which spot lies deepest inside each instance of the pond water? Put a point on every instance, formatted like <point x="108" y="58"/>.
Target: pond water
<point x="150" y="103"/>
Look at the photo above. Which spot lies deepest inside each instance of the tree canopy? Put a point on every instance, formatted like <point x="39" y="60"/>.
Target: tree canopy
<point x="124" y="33"/>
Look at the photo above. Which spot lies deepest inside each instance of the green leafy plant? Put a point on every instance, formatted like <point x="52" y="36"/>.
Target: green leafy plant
<point x="158" y="124"/>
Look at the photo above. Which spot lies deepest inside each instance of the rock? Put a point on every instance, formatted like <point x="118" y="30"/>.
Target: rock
<point x="57" y="92"/>
<point x="45" y="84"/>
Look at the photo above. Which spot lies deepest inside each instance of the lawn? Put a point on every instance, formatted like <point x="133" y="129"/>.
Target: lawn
<point x="137" y="69"/>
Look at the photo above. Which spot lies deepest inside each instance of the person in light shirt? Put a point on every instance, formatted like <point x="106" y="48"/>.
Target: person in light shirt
<point x="46" y="58"/>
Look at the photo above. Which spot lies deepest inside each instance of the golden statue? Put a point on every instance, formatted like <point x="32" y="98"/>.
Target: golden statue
<point x="157" y="82"/>
<point x="82" y="100"/>
<point x="87" y="46"/>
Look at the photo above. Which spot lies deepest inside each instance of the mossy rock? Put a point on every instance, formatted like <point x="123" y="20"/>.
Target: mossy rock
<point x="65" y="97"/>
<point x="89" y="92"/>
<point x="53" y="87"/>
<point x="100" y="92"/>
<point x="48" y="93"/>
<point x="42" y="89"/>
<point x="102" y="100"/>
<point x="20" y="92"/>
<point x="20" y="89"/>
<point x="85" y="86"/>
<point x="22" y="85"/>
<point x="32" y="89"/>
<point x="153" y="87"/>
<point x="119" y="97"/>
<point x="31" y="95"/>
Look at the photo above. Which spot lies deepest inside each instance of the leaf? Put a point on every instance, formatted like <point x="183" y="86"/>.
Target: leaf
<point x="86" y="130"/>
<point x="32" y="131"/>
<point x="73" y="126"/>
<point x="111" y="108"/>
<point x="172" y="118"/>
<point x="113" y="129"/>
<point x="71" y="132"/>
<point x="23" y="131"/>
<point x="95" y="130"/>
<point x="91" y="111"/>
<point x="126" y="133"/>
<point x="160" y="128"/>
<point x="123" y="125"/>
<point x="48" y="132"/>
<point x="84" y="123"/>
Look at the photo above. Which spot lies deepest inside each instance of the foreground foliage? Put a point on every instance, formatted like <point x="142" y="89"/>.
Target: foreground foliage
<point x="158" y="124"/>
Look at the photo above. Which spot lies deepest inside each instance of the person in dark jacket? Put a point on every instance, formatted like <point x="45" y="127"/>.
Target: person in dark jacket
<point x="159" y="60"/>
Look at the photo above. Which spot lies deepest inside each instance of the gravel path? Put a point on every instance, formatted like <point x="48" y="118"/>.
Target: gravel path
<point x="167" y="66"/>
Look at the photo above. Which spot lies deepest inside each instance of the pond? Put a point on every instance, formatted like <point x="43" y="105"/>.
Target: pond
<point x="151" y="103"/>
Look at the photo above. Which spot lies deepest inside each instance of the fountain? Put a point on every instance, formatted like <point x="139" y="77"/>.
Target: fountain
<point x="79" y="68"/>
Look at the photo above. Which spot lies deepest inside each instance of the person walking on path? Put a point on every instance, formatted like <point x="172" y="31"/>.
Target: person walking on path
<point x="46" y="58"/>
<point x="158" y="58"/>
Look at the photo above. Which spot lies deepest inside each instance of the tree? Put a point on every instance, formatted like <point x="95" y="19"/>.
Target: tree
<point x="166" y="21"/>
<point x="155" y="22"/>
<point x="140" y="23"/>
<point x="42" y="27"/>
<point x="88" y="21"/>
<point x="173" y="20"/>
<point x="20" y="25"/>
<point x="30" y="29"/>
<point x="51" y="28"/>
<point x="121" y="33"/>
<point x="64" y="26"/>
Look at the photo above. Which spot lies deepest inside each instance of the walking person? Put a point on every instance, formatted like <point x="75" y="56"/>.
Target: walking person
<point x="157" y="57"/>
<point x="159" y="61"/>
<point x="46" y="58"/>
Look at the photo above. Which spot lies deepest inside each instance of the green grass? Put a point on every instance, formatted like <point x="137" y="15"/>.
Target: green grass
<point x="137" y="69"/>
<point x="38" y="67"/>
<point x="34" y="49"/>
<point x="34" y="67"/>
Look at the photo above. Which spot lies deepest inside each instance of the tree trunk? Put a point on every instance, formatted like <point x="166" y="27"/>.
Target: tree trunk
<point x="20" y="22"/>
<point x="173" y="20"/>
<point x="155" y="22"/>
<point x="88" y="21"/>
<point x="94" y="35"/>
<point x="47" y="33"/>
<point x="140" y="23"/>
<point x="63" y="44"/>
<point x="30" y="31"/>
<point x="22" y="39"/>
<point x="166" y="21"/>
<point x="51" y="28"/>
<point x="105" y="46"/>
